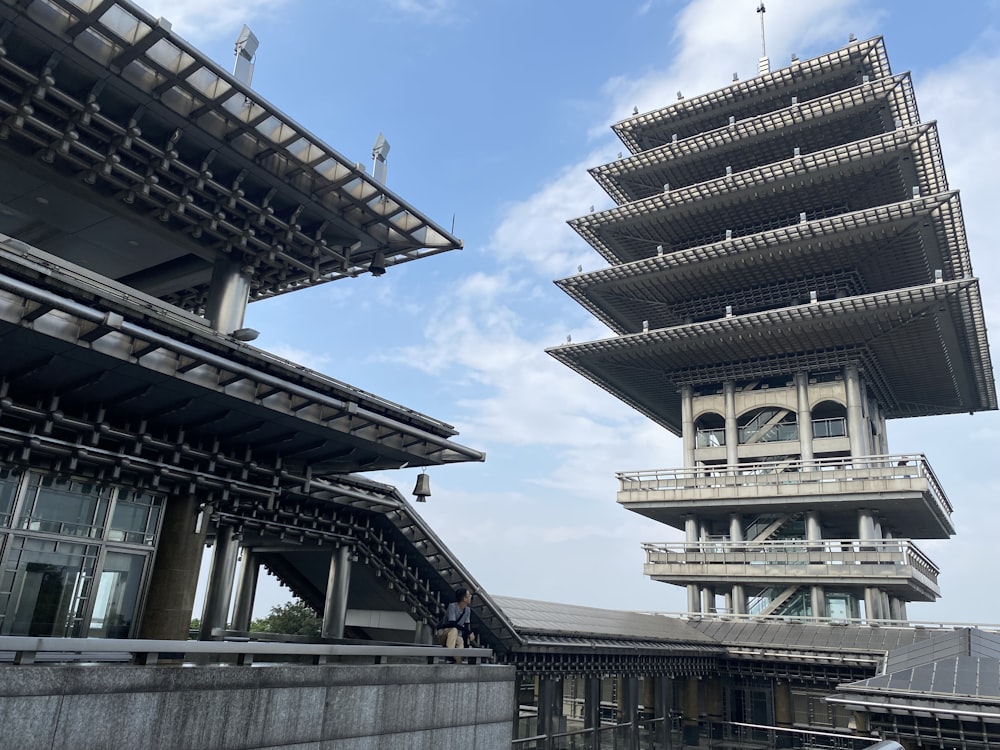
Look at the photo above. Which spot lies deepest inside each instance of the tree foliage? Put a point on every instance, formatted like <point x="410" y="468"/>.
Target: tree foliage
<point x="291" y="618"/>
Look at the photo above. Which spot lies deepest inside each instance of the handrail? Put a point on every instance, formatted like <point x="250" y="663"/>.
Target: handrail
<point x="888" y="466"/>
<point x="26" y="650"/>
<point x="889" y="549"/>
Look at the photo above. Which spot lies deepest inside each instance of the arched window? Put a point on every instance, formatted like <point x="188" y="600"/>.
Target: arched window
<point x="711" y="430"/>
<point x="829" y="419"/>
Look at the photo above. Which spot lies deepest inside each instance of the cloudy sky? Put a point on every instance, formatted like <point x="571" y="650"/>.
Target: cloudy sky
<point x="494" y="111"/>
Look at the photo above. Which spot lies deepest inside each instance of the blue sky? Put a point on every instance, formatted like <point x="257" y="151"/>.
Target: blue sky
<point x="494" y="111"/>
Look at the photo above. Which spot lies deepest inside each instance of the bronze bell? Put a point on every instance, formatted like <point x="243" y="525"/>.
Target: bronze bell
<point x="422" y="490"/>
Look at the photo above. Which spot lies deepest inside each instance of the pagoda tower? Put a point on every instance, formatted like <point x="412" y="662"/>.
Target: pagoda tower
<point x="788" y="270"/>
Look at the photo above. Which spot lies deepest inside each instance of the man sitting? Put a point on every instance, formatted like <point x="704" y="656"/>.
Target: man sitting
<point x="455" y="628"/>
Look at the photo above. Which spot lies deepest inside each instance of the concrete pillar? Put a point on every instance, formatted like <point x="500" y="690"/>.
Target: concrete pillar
<point x="337" y="589"/>
<point x="219" y="593"/>
<point x="902" y="610"/>
<point x="246" y="589"/>
<point x="735" y="527"/>
<point x="227" y="296"/>
<point x="727" y="601"/>
<point x="694" y="598"/>
<point x="687" y="425"/>
<point x="855" y="415"/>
<point x="732" y="428"/>
<point x="818" y="598"/>
<point x="814" y="529"/>
<point x="885" y="610"/>
<point x="174" y="578"/>
<point x="866" y="525"/>
<point x="708" y="594"/>
<point x="739" y="599"/>
<point x="873" y="603"/>
<point x="804" y="416"/>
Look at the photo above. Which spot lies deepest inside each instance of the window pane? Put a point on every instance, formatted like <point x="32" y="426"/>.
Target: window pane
<point x="8" y="490"/>
<point x="117" y="595"/>
<point x="63" y="506"/>
<point x="134" y="519"/>
<point x="45" y="587"/>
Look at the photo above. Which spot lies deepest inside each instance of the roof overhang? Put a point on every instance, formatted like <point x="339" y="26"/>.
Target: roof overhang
<point x="121" y="139"/>
<point x="908" y="341"/>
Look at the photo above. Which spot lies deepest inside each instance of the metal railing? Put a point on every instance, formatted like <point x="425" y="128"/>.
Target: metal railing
<point x="774" y="473"/>
<point x="25" y="650"/>
<point x="798" y="552"/>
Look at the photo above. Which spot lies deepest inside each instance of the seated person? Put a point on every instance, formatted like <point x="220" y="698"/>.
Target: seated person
<point x="455" y="628"/>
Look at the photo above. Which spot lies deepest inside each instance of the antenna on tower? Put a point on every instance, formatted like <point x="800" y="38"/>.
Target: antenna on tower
<point x="246" y="48"/>
<point x="763" y="64"/>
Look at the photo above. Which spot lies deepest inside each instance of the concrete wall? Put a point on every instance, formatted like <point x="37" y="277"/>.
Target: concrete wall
<point x="334" y="707"/>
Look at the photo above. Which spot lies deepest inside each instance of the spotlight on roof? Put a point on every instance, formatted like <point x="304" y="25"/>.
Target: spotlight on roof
<point x="245" y="334"/>
<point x="422" y="490"/>
<point x="246" y="48"/>
<point x="377" y="266"/>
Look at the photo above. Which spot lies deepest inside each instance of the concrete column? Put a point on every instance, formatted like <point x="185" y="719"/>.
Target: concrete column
<point x="902" y="610"/>
<point x="687" y="425"/>
<point x="735" y="527"/>
<point x="818" y="597"/>
<point x="337" y="588"/>
<point x="694" y="598"/>
<point x="873" y="603"/>
<point x="727" y="601"/>
<point x="739" y="599"/>
<point x="708" y="594"/>
<point x="866" y="525"/>
<point x="804" y="415"/>
<point x="227" y="296"/>
<point x="246" y="588"/>
<point x="219" y="593"/>
<point x="546" y="688"/>
<point x="855" y="416"/>
<point x="886" y="611"/>
<point x="174" y="578"/>
<point x="732" y="428"/>
<point x="814" y="529"/>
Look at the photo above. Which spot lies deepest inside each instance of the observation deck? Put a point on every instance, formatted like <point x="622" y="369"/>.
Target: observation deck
<point x="902" y="488"/>
<point x="894" y="565"/>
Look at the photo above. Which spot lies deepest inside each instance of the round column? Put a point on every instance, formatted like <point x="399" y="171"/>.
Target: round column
<point x="732" y="428"/>
<point x="687" y="425"/>
<point x="246" y="588"/>
<point x="227" y="296"/>
<point x="337" y="589"/>
<point x="804" y="416"/>
<point x="855" y="414"/>
<point x="218" y="595"/>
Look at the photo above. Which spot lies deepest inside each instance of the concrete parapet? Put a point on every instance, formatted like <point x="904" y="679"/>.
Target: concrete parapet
<point x="446" y="706"/>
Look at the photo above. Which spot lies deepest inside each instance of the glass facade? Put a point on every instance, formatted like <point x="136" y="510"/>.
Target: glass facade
<point x="73" y="555"/>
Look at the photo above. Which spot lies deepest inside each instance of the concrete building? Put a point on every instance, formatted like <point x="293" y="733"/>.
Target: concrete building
<point x="147" y="196"/>
<point x="789" y="270"/>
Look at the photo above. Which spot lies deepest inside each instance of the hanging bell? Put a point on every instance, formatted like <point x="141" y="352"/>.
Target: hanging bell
<point x="422" y="490"/>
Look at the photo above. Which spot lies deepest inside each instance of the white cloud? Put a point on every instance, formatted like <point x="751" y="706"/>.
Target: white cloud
<point x="197" y="20"/>
<point x="313" y="360"/>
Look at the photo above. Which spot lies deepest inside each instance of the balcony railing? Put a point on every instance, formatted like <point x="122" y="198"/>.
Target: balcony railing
<point x="794" y="552"/>
<point x="783" y="473"/>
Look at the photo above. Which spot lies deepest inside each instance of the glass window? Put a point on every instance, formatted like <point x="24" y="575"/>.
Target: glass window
<point x="44" y="587"/>
<point x="64" y="506"/>
<point x="117" y="595"/>
<point x="135" y="518"/>
<point x="8" y="491"/>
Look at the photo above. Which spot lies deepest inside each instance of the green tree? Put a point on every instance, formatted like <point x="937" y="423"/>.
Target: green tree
<point x="291" y="618"/>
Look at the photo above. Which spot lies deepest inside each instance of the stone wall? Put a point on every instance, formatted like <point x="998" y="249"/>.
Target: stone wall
<point x="332" y="707"/>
